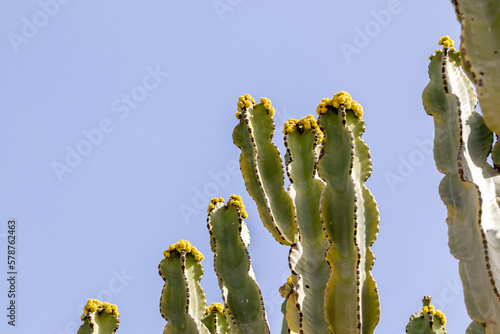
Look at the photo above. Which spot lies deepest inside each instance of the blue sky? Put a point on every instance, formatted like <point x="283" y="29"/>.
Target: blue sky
<point x="116" y="124"/>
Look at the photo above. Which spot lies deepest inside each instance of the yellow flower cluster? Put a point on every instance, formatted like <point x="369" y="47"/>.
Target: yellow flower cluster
<point x="357" y="109"/>
<point x="184" y="245"/>
<point x="268" y="106"/>
<point x="446" y="42"/>
<point x="94" y="305"/>
<point x="244" y="102"/>
<point x="236" y="201"/>
<point x="214" y="201"/>
<point x="306" y="123"/>
<point x="341" y="98"/>
<point x="290" y="125"/>
<point x="436" y="313"/>
<point x="215" y="307"/>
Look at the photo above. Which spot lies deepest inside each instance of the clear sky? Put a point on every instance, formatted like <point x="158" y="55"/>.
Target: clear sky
<point x="115" y="132"/>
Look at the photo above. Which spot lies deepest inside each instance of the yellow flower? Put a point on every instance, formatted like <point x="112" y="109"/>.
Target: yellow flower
<point x="342" y="98"/>
<point x="183" y="245"/>
<point x="267" y="104"/>
<point x="237" y="202"/>
<point x="214" y="201"/>
<point x="94" y="305"/>
<point x="289" y="126"/>
<point x="306" y="123"/>
<point x="215" y="307"/>
<point x="441" y="317"/>
<point x="446" y="42"/>
<point x="245" y="101"/>
<point x="357" y="109"/>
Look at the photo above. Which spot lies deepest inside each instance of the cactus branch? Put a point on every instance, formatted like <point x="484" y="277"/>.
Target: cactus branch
<point x="470" y="187"/>
<point x="229" y="240"/>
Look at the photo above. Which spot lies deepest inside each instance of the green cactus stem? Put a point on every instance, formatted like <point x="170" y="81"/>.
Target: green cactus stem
<point x="307" y="257"/>
<point x="475" y="328"/>
<point x="229" y="241"/>
<point x="183" y="302"/>
<point x="350" y="218"/>
<point x="480" y="49"/>
<point x="99" y="318"/>
<point x="427" y="321"/>
<point x="262" y="168"/>
<point x="470" y="188"/>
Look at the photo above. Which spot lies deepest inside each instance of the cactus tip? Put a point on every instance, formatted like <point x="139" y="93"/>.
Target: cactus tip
<point x="184" y="245"/>
<point x="431" y="310"/>
<point x="306" y="123"/>
<point x="94" y="305"/>
<point x="341" y="98"/>
<point x="215" y="307"/>
<point x="244" y="102"/>
<point x="238" y="202"/>
<point x="268" y="106"/>
<point x="446" y="42"/>
<point x="214" y="201"/>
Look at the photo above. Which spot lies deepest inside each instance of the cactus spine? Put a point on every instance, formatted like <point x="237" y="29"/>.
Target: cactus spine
<point x="470" y="187"/>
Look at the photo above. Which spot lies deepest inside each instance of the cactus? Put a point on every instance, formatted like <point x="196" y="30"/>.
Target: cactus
<point x="327" y="216"/>
<point x="336" y="217"/>
<point x="183" y="301"/>
<point x="99" y="318"/>
<point x="480" y="49"/>
<point x="427" y="321"/>
<point x="229" y="240"/>
<point x="470" y="187"/>
<point x="215" y="319"/>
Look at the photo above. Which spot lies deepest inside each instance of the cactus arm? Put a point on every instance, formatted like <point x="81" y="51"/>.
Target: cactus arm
<point x="480" y="48"/>
<point x="427" y="321"/>
<point x="99" y="318"/>
<point x="262" y="170"/>
<point x="475" y="328"/>
<point x="291" y="315"/>
<point x="350" y="218"/>
<point x="307" y="257"/>
<point x="215" y="319"/>
<point x="367" y="225"/>
<point x="182" y="301"/>
<point x="284" y="326"/>
<point x="240" y="291"/>
<point x="470" y="187"/>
